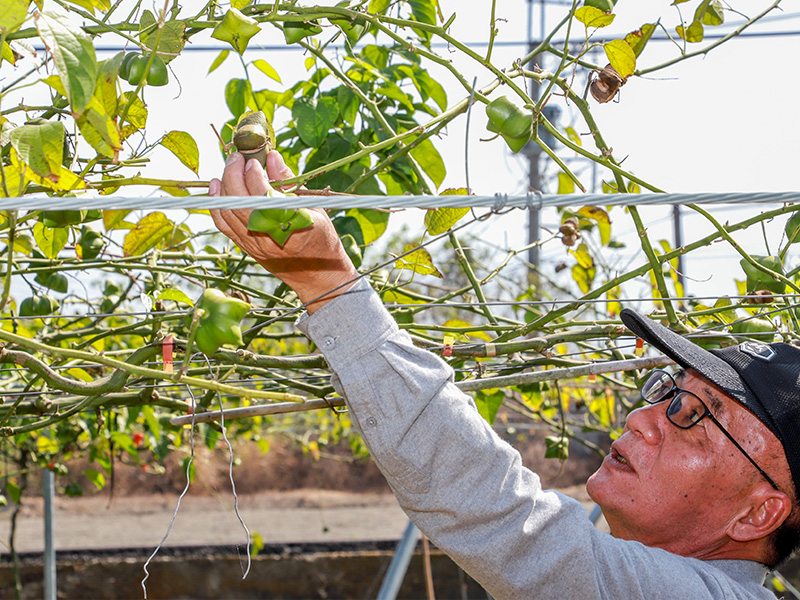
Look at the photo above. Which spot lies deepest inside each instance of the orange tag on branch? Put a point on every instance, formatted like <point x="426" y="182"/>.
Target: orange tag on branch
<point x="166" y="352"/>
<point x="448" y="345"/>
<point x="639" y="347"/>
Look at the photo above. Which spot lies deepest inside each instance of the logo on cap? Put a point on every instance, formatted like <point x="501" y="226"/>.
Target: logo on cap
<point x="758" y="350"/>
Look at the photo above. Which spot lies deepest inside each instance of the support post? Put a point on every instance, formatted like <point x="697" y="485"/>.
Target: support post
<point x="48" y="491"/>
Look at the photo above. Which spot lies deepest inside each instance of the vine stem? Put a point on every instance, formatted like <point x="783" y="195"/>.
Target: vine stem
<point x="11" y="216"/>
<point x="476" y="286"/>
<point x="727" y="237"/>
<point x="469" y="385"/>
<point x="144" y="371"/>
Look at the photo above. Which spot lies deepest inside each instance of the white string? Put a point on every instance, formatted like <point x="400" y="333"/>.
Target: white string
<point x="183" y="493"/>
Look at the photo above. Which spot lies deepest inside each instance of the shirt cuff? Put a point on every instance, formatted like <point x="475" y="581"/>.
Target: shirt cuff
<point x="349" y="326"/>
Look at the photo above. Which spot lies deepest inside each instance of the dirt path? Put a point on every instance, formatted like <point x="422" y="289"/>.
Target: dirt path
<point x="278" y="517"/>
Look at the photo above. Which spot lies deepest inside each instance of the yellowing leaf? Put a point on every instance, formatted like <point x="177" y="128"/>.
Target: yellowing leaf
<point x="219" y="60"/>
<point x="638" y="39"/>
<point x="182" y="145"/>
<point x="149" y="231"/>
<point x="593" y="17"/>
<point x="419" y="261"/>
<point x="80" y="374"/>
<point x="573" y="136"/>
<point x="372" y="222"/>
<point x="598" y="215"/>
<point x="582" y="255"/>
<point x="267" y="69"/>
<point x="12" y="14"/>
<point x="112" y="218"/>
<point x="458" y="323"/>
<point x="40" y="146"/>
<point x="621" y="56"/>
<point x="100" y="130"/>
<point x="565" y="184"/>
<point x="441" y="219"/>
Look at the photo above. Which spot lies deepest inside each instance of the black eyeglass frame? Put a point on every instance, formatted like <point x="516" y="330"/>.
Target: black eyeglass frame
<point x="674" y="394"/>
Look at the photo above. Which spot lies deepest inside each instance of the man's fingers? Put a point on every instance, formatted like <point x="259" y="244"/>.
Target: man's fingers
<point x="233" y="183"/>
<point x="276" y="168"/>
<point x="256" y="179"/>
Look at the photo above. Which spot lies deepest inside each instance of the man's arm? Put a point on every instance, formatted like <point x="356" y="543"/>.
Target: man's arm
<point x="459" y="482"/>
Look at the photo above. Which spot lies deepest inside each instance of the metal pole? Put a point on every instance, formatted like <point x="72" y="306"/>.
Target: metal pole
<point x="533" y="152"/>
<point x="49" y="487"/>
<point x="397" y="569"/>
<point x="678" y="234"/>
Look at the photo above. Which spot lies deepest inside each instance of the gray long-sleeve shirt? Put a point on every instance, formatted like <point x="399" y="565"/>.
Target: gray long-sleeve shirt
<point x="467" y="490"/>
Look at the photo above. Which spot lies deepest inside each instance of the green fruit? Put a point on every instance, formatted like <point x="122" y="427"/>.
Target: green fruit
<point x="38" y="306"/>
<point x="158" y="74"/>
<point x="62" y="218"/>
<point x="254" y="136"/>
<point x="236" y="29"/>
<point x="759" y="329"/>
<point x="90" y="244"/>
<point x="294" y="31"/>
<point x="353" y="249"/>
<point x="136" y="69"/>
<point x="125" y="65"/>
<point x="513" y="123"/>
<point x="279" y="223"/>
<point x="219" y="322"/>
<point x="53" y="280"/>
<point x="758" y="280"/>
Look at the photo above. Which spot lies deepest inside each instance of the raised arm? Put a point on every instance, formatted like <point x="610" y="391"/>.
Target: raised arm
<point x="313" y="261"/>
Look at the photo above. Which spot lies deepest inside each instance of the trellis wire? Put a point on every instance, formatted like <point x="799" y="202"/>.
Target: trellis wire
<point x="467" y="386"/>
<point x="532" y="200"/>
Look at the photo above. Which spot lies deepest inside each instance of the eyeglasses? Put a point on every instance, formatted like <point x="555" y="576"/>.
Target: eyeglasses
<point x="685" y="410"/>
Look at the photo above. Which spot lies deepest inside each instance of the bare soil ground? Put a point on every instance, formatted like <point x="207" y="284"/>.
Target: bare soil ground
<point x="284" y="496"/>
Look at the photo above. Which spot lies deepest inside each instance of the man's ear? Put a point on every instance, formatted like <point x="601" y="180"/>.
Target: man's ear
<point x="763" y="514"/>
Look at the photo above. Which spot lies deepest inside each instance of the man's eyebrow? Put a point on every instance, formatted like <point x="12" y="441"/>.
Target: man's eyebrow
<point x="717" y="405"/>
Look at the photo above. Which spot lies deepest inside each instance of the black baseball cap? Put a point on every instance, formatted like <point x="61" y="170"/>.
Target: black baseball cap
<point x="764" y="378"/>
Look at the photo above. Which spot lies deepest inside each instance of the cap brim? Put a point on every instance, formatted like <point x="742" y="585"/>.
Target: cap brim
<point x="690" y="356"/>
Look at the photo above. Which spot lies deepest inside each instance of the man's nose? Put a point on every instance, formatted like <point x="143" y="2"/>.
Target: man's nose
<point x="648" y="422"/>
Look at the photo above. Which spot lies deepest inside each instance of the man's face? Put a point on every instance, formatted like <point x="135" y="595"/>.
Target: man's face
<point x="678" y="489"/>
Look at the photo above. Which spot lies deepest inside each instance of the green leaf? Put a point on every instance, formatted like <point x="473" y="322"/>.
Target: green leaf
<point x="182" y="145"/>
<point x="373" y="223"/>
<point x="793" y="228"/>
<point x="430" y="160"/>
<point x="604" y="5"/>
<point x="236" y="91"/>
<point x="267" y="69"/>
<point x="96" y="477"/>
<point x="113" y="218"/>
<point x="488" y="403"/>
<point x="758" y="279"/>
<point x="219" y="60"/>
<point x="591" y="16"/>
<point x="419" y="261"/>
<point x="175" y="296"/>
<point x="692" y="34"/>
<point x="439" y="220"/>
<point x="431" y="88"/>
<point x="378" y="7"/>
<point x="148" y="233"/>
<point x="50" y="240"/>
<point x="621" y="56"/>
<point x="714" y="14"/>
<point x="424" y="11"/>
<point x="638" y="39"/>
<point x="12" y="14"/>
<point x="100" y="130"/>
<point x="172" y="36"/>
<point x="40" y="146"/>
<point x="565" y="184"/>
<point x="279" y="223"/>
<point x="13" y="491"/>
<point x="314" y="118"/>
<point x="73" y="55"/>
<point x="556" y="447"/>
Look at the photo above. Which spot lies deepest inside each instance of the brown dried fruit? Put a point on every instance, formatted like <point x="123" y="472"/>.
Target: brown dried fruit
<point x="759" y="297"/>
<point x="607" y="84"/>
<point x="569" y="240"/>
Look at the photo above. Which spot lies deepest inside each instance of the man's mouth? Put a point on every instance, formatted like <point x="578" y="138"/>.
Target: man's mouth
<point x="618" y="458"/>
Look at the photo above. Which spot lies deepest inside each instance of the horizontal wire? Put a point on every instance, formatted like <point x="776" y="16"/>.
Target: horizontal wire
<point x="496" y="202"/>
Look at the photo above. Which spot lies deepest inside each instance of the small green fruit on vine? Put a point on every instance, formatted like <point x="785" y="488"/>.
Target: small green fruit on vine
<point x="38" y="306"/>
<point x="513" y="123"/>
<point x="236" y="29"/>
<point x="219" y="322"/>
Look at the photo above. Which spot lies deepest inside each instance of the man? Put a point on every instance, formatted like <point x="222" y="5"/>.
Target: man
<point x="699" y="491"/>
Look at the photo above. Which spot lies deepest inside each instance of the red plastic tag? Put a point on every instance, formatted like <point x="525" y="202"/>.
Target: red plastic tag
<point x="447" y="351"/>
<point x="166" y="351"/>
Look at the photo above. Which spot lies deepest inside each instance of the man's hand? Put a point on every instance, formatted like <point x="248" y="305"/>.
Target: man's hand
<point x="312" y="262"/>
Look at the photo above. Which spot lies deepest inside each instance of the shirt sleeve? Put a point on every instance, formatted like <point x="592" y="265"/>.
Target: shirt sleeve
<point x="466" y="488"/>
